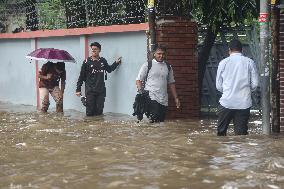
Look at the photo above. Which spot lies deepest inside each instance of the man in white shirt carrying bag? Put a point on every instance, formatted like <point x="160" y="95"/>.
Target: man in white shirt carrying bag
<point x="236" y="78"/>
<point x="157" y="75"/>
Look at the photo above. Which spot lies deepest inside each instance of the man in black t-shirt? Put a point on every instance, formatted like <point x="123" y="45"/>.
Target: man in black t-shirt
<point x="93" y="74"/>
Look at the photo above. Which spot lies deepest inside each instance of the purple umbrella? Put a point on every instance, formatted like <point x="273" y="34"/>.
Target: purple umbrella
<point x="51" y="54"/>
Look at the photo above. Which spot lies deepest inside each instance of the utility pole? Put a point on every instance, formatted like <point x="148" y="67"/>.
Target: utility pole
<point x="275" y="83"/>
<point x="264" y="66"/>
<point x="152" y="24"/>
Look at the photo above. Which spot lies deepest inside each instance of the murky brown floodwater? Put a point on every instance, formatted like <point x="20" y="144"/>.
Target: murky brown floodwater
<point x="72" y="151"/>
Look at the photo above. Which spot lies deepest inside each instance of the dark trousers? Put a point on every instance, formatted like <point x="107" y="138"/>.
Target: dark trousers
<point x="94" y="103"/>
<point x="157" y="112"/>
<point x="240" y="118"/>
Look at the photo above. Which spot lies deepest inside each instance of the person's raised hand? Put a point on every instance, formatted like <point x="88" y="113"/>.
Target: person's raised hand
<point x="118" y="60"/>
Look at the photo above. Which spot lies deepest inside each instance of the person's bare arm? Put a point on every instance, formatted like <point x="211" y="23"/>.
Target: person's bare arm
<point x="139" y="84"/>
<point x="43" y="73"/>
<point x="174" y="93"/>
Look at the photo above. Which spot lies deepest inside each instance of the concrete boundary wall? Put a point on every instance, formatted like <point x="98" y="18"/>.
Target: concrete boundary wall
<point x="18" y="75"/>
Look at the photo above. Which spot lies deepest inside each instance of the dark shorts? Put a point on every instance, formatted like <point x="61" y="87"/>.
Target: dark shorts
<point x="240" y="118"/>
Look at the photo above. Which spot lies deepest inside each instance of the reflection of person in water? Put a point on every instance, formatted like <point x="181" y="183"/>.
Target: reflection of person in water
<point x="50" y="75"/>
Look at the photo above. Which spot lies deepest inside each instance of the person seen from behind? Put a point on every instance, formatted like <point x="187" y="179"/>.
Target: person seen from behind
<point x="236" y="79"/>
<point x="50" y="76"/>
<point x="157" y="78"/>
<point x="93" y="74"/>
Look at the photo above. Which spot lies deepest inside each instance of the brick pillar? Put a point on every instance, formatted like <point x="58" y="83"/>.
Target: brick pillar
<point x="281" y="72"/>
<point x="180" y="38"/>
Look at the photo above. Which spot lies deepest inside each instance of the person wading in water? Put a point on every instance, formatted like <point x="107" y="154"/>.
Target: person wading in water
<point x="50" y="75"/>
<point x="93" y="74"/>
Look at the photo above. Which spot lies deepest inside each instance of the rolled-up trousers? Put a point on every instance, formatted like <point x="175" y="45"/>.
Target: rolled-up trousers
<point x="56" y="95"/>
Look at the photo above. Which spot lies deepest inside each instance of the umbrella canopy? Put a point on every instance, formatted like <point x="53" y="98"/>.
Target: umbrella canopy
<point x="51" y="54"/>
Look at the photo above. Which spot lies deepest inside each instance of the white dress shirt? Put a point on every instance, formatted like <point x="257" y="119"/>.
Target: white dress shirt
<point x="236" y="78"/>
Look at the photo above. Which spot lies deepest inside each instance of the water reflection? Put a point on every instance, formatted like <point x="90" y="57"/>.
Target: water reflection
<point x="114" y="151"/>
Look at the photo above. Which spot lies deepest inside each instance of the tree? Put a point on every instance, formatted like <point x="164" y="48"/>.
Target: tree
<point x="75" y="11"/>
<point x="3" y="17"/>
<point x="51" y="15"/>
<point x="31" y="15"/>
<point x="135" y="11"/>
<point x="180" y="8"/>
<point x="219" y="14"/>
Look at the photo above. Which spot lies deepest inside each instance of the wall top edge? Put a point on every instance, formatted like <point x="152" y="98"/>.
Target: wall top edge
<point x="76" y="31"/>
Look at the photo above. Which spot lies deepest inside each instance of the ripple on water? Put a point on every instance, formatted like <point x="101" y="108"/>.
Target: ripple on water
<point x="114" y="151"/>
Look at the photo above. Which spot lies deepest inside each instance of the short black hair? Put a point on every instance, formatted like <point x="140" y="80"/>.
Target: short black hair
<point x="235" y="45"/>
<point x="160" y="47"/>
<point x="96" y="44"/>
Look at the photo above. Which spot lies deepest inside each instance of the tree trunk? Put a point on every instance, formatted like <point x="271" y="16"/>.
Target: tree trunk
<point x="204" y="53"/>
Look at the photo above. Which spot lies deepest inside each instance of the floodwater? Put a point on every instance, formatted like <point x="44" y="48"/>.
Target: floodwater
<point x="113" y="152"/>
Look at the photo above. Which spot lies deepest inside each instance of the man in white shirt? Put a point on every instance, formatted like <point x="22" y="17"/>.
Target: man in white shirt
<point x="236" y="79"/>
<point x="157" y="78"/>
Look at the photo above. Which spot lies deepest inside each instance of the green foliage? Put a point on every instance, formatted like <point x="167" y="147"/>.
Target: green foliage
<point x="218" y="13"/>
<point x="2" y="9"/>
<point x="180" y="8"/>
<point x="3" y="17"/>
<point x="51" y="15"/>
